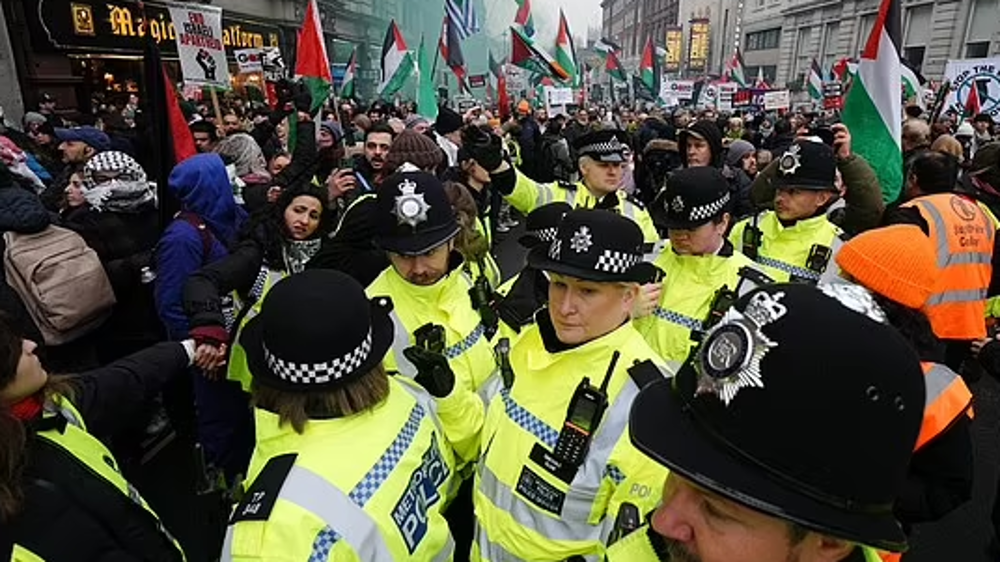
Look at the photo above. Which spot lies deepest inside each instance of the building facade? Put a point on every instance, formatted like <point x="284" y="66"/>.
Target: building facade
<point x="783" y="36"/>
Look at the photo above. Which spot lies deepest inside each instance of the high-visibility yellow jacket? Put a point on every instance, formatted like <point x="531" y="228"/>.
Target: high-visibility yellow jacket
<point x="446" y="303"/>
<point x="529" y="195"/>
<point x="237" y="368"/>
<point x="689" y="287"/>
<point x="784" y="251"/>
<point x="369" y="487"/>
<point x="523" y="511"/>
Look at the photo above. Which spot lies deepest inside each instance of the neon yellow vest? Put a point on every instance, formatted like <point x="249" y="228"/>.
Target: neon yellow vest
<point x="369" y="487"/>
<point x="237" y="369"/>
<point x="89" y="451"/>
<point x="689" y="287"/>
<point x="784" y="251"/>
<point x="21" y="554"/>
<point x="522" y="510"/>
<point x="447" y="304"/>
<point x="529" y="195"/>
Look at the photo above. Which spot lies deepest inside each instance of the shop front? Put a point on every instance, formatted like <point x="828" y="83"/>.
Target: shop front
<point x="83" y="52"/>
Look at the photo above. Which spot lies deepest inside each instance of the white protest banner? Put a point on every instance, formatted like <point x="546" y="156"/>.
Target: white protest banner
<point x="982" y="74"/>
<point x="677" y="89"/>
<point x="199" y="44"/>
<point x="777" y="99"/>
<point x="249" y="61"/>
<point x="724" y="96"/>
<point x="558" y="96"/>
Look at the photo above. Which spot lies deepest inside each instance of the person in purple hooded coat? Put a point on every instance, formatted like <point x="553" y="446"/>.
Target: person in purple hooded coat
<point x="201" y="233"/>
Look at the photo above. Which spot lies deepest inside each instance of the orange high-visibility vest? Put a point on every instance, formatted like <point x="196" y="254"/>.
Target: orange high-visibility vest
<point x="963" y="238"/>
<point x="948" y="398"/>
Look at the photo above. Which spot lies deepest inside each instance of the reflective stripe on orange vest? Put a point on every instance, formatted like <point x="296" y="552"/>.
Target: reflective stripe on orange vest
<point x="963" y="235"/>
<point x="948" y="398"/>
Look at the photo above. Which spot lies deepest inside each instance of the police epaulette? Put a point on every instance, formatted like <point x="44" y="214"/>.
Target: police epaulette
<point x="260" y="498"/>
<point x="566" y="185"/>
<point x="644" y="373"/>
<point x="638" y="204"/>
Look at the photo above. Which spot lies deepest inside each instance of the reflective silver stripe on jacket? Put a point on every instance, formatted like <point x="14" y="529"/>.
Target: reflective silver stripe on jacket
<point x="314" y="494"/>
<point x="944" y="253"/>
<point x="495" y="553"/>
<point x="949" y="297"/>
<point x="545" y="194"/>
<point x="401" y="341"/>
<point x="936" y="381"/>
<point x="572" y="524"/>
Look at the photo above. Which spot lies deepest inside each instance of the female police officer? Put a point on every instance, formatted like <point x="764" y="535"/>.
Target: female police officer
<point x="62" y="494"/>
<point x="350" y="464"/>
<point x="556" y="464"/>
<point x="701" y="267"/>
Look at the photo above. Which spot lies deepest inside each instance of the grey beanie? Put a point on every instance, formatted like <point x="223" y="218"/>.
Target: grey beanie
<point x="737" y="150"/>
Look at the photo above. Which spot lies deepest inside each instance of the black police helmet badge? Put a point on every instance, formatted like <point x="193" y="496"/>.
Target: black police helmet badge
<point x="791" y="160"/>
<point x="411" y="208"/>
<point x="729" y="359"/>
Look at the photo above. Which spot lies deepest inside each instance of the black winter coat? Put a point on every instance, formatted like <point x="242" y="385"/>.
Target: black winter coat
<point x="69" y="514"/>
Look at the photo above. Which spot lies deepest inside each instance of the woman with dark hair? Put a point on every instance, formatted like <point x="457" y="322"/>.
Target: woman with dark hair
<point x="277" y="242"/>
<point x="62" y="494"/>
<point x="897" y="264"/>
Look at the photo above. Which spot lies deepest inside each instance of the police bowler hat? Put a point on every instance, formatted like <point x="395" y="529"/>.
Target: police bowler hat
<point x="766" y="413"/>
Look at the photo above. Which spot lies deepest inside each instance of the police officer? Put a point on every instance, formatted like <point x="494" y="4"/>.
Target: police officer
<point x="796" y="241"/>
<point x="701" y="267"/>
<point x="416" y="226"/>
<point x="350" y="463"/>
<point x="778" y="449"/>
<point x="601" y="161"/>
<point x="556" y="464"/>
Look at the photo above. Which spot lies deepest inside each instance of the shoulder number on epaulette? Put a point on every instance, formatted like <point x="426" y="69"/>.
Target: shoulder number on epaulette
<point x="635" y="202"/>
<point x="566" y="185"/>
<point x="259" y="500"/>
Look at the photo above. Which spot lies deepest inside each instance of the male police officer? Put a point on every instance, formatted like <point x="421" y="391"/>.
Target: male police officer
<point x="778" y="449"/>
<point x="556" y="464"/>
<point x="416" y="226"/>
<point x="701" y="267"/>
<point x="601" y="161"/>
<point x="796" y="241"/>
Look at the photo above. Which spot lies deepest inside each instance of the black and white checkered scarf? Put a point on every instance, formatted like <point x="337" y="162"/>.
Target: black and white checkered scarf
<point x="113" y="181"/>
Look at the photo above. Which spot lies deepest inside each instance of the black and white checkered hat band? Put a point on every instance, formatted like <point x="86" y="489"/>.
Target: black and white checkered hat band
<point x="544" y="234"/>
<point x="613" y="261"/>
<point x="319" y="373"/>
<point x="709" y="210"/>
<point x="614" y="146"/>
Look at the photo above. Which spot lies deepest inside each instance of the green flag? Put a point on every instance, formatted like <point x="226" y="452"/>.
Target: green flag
<point x="426" y="101"/>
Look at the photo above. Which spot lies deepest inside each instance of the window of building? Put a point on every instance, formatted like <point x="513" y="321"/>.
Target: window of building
<point x="914" y="56"/>
<point x="984" y="16"/>
<point x="918" y="26"/>
<point x="977" y="50"/>
<point x="864" y="30"/>
<point x="762" y="40"/>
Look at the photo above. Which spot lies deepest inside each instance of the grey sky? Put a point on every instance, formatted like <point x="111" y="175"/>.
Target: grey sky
<point x="580" y="14"/>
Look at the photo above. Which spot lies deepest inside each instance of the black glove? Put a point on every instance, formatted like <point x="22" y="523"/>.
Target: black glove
<point x="302" y="98"/>
<point x="433" y="371"/>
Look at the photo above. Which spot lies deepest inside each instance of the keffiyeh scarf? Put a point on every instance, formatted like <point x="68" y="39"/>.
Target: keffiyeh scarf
<point x="114" y="181"/>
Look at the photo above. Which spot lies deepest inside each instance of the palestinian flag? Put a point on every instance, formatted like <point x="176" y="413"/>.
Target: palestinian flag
<point x="347" y="88"/>
<point x="614" y="67"/>
<point x="451" y="51"/>
<point x="397" y="62"/>
<point x="649" y="69"/>
<point x="815" y="83"/>
<point x="736" y="71"/>
<point x="523" y="18"/>
<point x="529" y="57"/>
<point x="873" y="106"/>
<point x="565" y="52"/>
<point x="311" y="62"/>
<point x="912" y="88"/>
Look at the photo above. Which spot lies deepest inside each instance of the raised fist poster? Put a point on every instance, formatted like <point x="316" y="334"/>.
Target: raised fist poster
<point x="199" y="44"/>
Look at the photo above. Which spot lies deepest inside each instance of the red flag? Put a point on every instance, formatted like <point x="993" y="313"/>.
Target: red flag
<point x="503" y="100"/>
<point x="180" y="133"/>
<point x="972" y="106"/>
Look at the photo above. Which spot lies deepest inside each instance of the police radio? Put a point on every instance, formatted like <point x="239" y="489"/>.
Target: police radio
<point x="582" y="418"/>
<point x="629" y="519"/>
<point x="502" y="353"/>
<point x="482" y="297"/>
